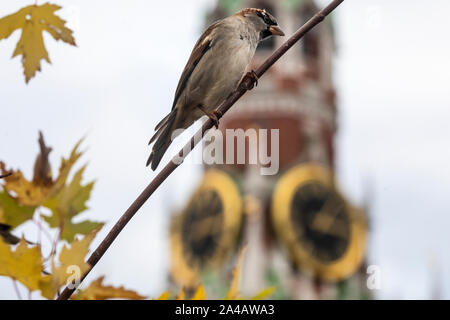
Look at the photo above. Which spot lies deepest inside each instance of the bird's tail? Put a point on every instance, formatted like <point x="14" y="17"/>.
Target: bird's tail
<point x="163" y="137"/>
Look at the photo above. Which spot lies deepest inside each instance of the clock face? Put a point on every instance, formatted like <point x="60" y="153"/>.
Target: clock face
<point x="321" y="221"/>
<point x="206" y="230"/>
<point x="202" y="227"/>
<point x="324" y="235"/>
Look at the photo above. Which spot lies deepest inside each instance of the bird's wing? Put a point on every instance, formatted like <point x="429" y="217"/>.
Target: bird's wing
<point x="201" y="47"/>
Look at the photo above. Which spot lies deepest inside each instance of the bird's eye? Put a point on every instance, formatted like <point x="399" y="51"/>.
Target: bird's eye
<point x="269" y="21"/>
<point x="266" y="18"/>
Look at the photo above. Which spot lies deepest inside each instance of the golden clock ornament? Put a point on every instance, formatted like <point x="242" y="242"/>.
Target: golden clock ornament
<point x="324" y="235"/>
<point x="207" y="229"/>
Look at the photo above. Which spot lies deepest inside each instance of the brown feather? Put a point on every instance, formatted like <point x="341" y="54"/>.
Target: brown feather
<point x="163" y="123"/>
<point x="246" y="11"/>
<point x="164" y="127"/>
<point x="150" y="159"/>
<point x="201" y="47"/>
<point x="163" y="136"/>
<point x="268" y="18"/>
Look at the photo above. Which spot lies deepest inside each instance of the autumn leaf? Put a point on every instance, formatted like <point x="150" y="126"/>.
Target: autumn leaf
<point x="233" y="292"/>
<point x="199" y="293"/>
<point x="33" y="20"/>
<point x="74" y="256"/>
<point x="42" y="173"/>
<point x="13" y="213"/>
<point x="65" y="167"/>
<point x="36" y="192"/>
<point x="24" y="264"/>
<point x="70" y="259"/>
<point x="98" y="291"/>
<point x="265" y="293"/>
<point x="164" y="296"/>
<point x="31" y="193"/>
<point x="25" y="191"/>
<point x="69" y="202"/>
<point x="181" y="295"/>
<point x="65" y="200"/>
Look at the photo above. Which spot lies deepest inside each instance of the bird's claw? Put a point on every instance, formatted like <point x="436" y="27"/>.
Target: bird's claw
<point x="214" y="119"/>
<point x="214" y="116"/>
<point x="249" y="81"/>
<point x="252" y="74"/>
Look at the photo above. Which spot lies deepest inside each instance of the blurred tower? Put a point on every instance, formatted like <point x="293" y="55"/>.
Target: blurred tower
<point x="296" y="96"/>
<point x="297" y="93"/>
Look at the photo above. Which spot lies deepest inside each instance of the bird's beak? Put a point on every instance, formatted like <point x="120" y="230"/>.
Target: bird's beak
<point x="276" y="31"/>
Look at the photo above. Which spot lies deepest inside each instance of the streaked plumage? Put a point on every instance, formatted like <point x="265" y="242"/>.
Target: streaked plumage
<point x="214" y="69"/>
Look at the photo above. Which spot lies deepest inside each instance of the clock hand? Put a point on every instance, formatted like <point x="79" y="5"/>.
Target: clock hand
<point x="204" y="227"/>
<point x="320" y="221"/>
<point x="325" y="219"/>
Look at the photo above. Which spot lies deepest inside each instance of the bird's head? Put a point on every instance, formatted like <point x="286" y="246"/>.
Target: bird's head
<point x="262" y="21"/>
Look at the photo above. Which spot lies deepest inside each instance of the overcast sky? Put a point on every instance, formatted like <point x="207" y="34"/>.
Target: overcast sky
<point x="392" y="76"/>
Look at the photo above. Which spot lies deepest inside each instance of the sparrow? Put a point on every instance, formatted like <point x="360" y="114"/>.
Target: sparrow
<point x="214" y="70"/>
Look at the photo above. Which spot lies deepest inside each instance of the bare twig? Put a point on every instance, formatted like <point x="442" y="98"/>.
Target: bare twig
<point x="5" y="175"/>
<point x="42" y="230"/>
<point x="172" y="165"/>
<point x="16" y="288"/>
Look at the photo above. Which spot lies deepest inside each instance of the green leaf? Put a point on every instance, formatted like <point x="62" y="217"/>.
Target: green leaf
<point x="11" y="212"/>
<point x="68" y="203"/>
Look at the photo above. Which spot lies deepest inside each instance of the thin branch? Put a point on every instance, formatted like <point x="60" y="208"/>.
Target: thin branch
<point x="16" y="288"/>
<point x="54" y="246"/>
<point x="41" y="230"/>
<point x="172" y="165"/>
<point x="5" y="175"/>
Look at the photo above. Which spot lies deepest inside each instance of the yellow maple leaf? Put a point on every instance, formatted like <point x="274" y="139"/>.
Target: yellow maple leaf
<point x="65" y="167"/>
<point x="233" y="292"/>
<point x="66" y="204"/>
<point x="98" y="291"/>
<point x="24" y="264"/>
<point x="26" y="192"/>
<point x="71" y="266"/>
<point x="33" y="20"/>
<point x="264" y="293"/>
<point x="65" y="200"/>
<point x="73" y="257"/>
<point x="199" y="293"/>
<point x="181" y="295"/>
<point x="35" y="192"/>
<point x="164" y="296"/>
